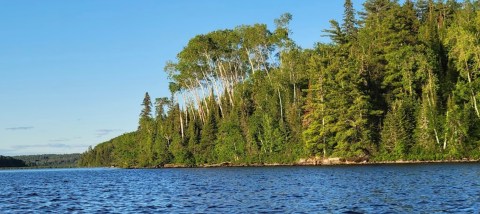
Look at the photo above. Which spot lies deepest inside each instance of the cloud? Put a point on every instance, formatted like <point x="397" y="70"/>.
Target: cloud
<point x="103" y="132"/>
<point x="60" y="140"/>
<point x="64" y="139"/>
<point x="49" y="145"/>
<point x="19" y="128"/>
<point x="48" y="148"/>
<point x="6" y="151"/>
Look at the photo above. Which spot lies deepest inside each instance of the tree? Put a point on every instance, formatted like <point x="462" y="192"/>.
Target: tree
<point x="207" y="141"/>
<point x="315" y="132"/>
<point x="397" y="136"/>
<point x="349" y="21"/>
<point x="147" y="108"/>
<point x="146" y="132"/>
<point x="464" y="42"/>
<point x="230" y="144"/>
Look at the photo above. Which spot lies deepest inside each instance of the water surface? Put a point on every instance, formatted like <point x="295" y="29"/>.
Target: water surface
<point x="422" y="188"/>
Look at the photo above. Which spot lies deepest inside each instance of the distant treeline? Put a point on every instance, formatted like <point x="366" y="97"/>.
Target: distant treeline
<point x="398" y="81"/>
<point x="50" y="160"/>
<point x="11" y="162"/>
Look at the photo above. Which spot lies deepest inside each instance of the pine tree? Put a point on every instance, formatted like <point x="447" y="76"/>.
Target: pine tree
<point x="147" y="108"/>
<point x="194" y="129"/>
<point x="146" y="133"/>
<point x="349" y="114"/>
<point x="349" y="22"/>
<point x="208" y="135"/>
<point x="398" y="128"/>
<point x="315" y="132"/>
<point x="230" y="145"/>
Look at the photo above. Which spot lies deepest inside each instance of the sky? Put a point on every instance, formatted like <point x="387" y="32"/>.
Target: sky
<point x="74" y="73"/>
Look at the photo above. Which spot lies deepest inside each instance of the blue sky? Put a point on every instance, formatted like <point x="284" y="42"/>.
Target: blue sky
<point x="73" y="73"/>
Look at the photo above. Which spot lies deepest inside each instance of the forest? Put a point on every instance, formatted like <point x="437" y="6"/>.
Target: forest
<point x="50" y="160"/>
<point x="6" y="161"/>
<point x="41" y="161"/>
<point x="398" y="81"/>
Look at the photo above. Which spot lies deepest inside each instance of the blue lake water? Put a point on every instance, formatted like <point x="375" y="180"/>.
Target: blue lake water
<point x="420" y="188"/>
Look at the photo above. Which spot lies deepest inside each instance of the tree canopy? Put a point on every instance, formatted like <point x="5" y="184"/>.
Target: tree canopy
<point x="398" y="81"/>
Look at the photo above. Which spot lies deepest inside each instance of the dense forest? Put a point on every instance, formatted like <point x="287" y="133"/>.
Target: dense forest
<point x="11" y="162"/>
<point x="398" y="81"/>
<point x="50" y="160"/>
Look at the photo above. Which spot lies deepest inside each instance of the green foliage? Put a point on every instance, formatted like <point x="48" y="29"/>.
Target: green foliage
<point x="146" y="132"/>
<point x="208" y="137"/>
<point x="120" y="151"/>
<point x="230" y="143"/>
<point x="50" y="160"/>
<point x="400" y="82"/>
<point x="397" y="137"/>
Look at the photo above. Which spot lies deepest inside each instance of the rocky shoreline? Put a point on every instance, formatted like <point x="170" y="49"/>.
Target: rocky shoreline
<point x="322" y="162"/>
<point x="340" y="161"/>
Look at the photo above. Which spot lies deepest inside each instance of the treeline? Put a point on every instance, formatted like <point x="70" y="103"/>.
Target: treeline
<point x="398" y="81"/>
<point x="11" y="162"/>
<point x="50" y="160"/>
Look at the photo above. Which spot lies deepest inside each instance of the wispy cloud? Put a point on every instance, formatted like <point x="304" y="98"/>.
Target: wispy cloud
<point x="49" y="145"/>
<point x="6" y="151"/>
<point x="19" y="128"/>
<point x="48" y="148"/>
<point x="64" y="139"/>
<point x="60" y="140"/>
<point x="103" y="132"/>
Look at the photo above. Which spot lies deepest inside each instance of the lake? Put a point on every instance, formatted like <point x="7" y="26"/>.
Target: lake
<point x="418" y="188"/>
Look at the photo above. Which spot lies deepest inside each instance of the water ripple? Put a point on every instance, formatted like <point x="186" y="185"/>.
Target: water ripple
<point x="427" y="188"/>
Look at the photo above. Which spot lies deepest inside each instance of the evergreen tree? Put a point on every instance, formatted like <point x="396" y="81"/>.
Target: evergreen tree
<point x="146" y="133"/>
<point x="194" y="129"/>
<point x="315" y="117"/>
<point x="208" y="136"/>
<point x="230" y="144"/>
<point x="398" y="128"/>
<point x="349" y="21"/>
<point x="146" y="113"/>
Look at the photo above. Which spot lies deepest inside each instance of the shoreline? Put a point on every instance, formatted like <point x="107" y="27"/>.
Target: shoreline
<point x="30" y="167"/>
<point x="321" y="163"/>
<point x="317" y="162"/>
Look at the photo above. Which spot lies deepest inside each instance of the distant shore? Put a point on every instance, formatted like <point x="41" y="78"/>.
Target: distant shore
<point x="39" y="167"/>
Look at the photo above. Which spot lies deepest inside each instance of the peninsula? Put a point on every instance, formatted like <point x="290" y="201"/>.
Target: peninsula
<point x="398" y="81"/>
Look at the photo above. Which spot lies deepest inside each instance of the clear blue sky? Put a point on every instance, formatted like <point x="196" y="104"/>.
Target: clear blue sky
<point x="73" y="73"/>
